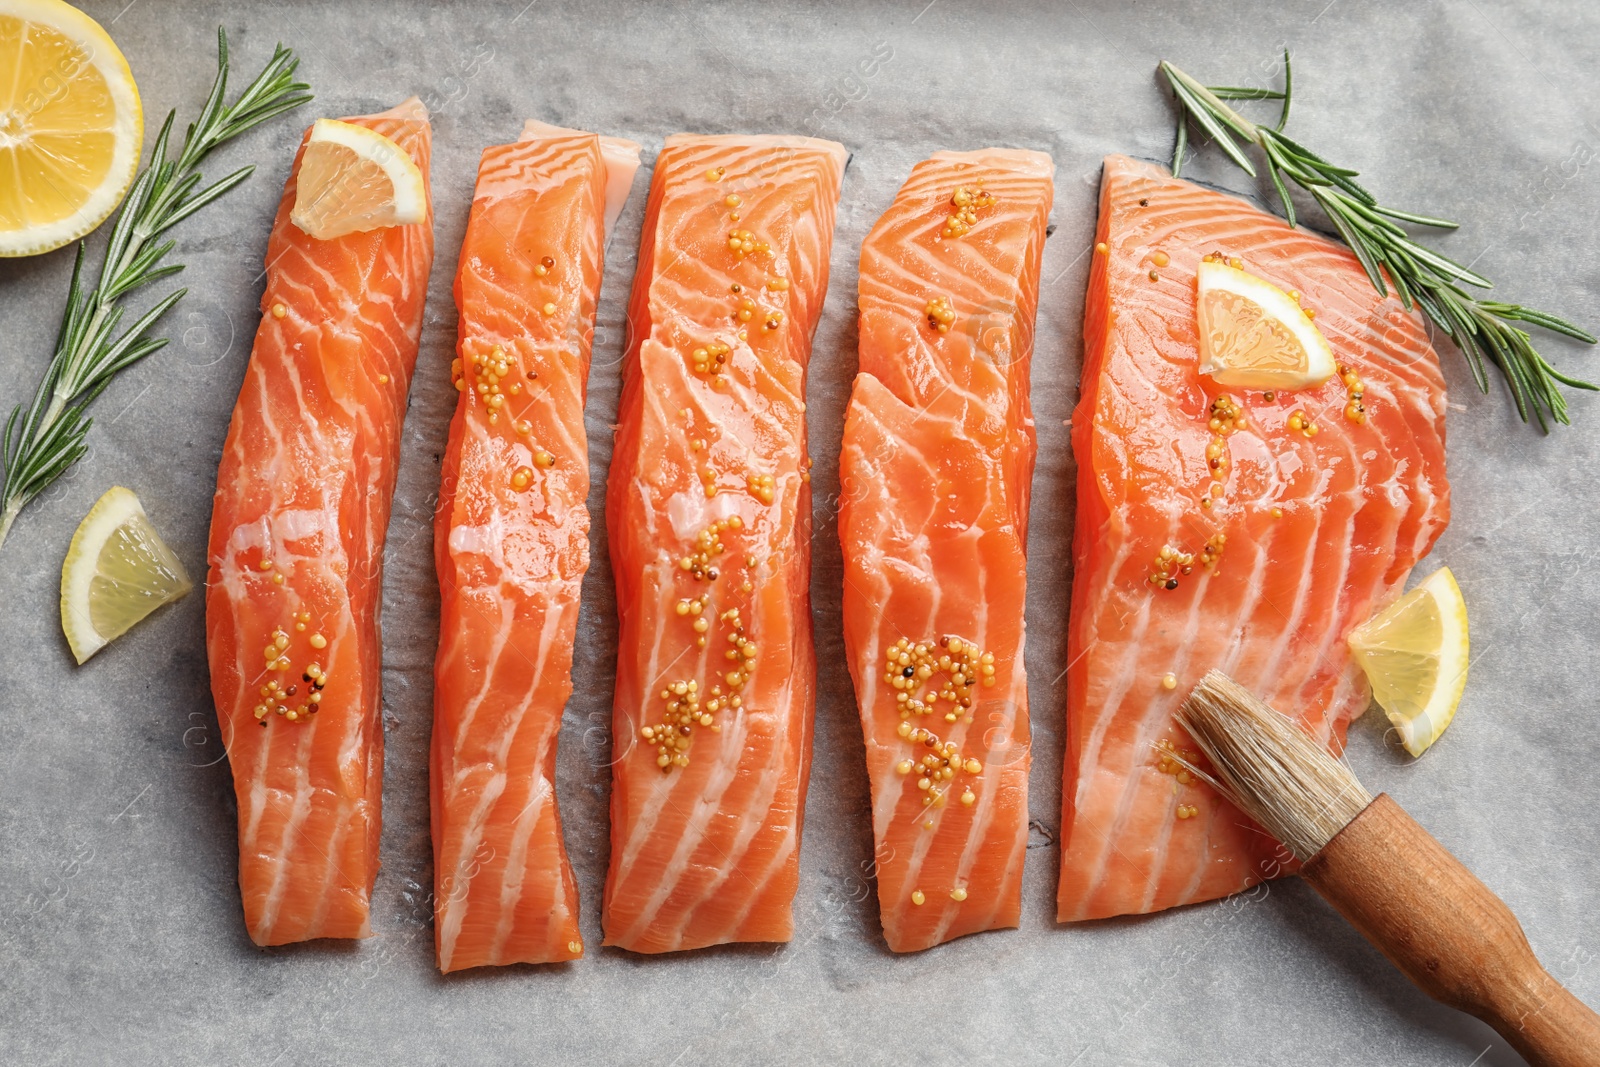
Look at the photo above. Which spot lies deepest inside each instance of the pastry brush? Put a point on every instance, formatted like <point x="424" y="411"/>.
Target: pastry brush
<point x="1384" y="873"/>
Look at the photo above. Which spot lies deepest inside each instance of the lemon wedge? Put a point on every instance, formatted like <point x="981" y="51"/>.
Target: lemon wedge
<point x="1254" y="335"/>
<point x="117" y="571"/>
<point x="70" y="126"/>
<point x="352" y="180"/>
<point x="1414" y="653"/>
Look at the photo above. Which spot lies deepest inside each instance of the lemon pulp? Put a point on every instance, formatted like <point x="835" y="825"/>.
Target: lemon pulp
<point x="352" y="180"/>
<point x="1254" y="335"/>
<point x="117" y="571"/>
<point x="1415" y="653"/>
<point x="70" y="126"/>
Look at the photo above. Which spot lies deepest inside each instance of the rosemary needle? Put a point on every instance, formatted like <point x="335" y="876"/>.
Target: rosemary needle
<point x="42" y="441"/>
<point x="1486" y="331"/>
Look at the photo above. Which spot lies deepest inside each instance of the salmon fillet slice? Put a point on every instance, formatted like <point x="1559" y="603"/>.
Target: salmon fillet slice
<point x="708" y="510"/>
<point x="1306" y="536"/>
<point x="511" y="543"/>
<point x="296" y="559"/>
<point x="935" y="472"/>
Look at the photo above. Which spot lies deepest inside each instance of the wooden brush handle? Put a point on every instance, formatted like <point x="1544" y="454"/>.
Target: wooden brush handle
<point x="1454" y="938"/>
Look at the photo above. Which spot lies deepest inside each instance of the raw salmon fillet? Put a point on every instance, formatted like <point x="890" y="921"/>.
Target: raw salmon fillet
<point x="934" y="474"/>
<point x="1319" y="531"/>
<point x="296" y="559"/>
<point x="511" y="543"/>
<point x="708" y="508"/>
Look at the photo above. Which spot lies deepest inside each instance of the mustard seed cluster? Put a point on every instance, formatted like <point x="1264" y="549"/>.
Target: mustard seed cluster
<point x="909" y="670"/>
<point x="1225" y="418"/>
<point x="1167" y="762"/>
<point x="1170" y="565"/>
<point x="937" y="768"/>
<point x="288" y="700"/>
<point x="1354" y="409"/>
<point x="700" y="561"/>
<point x="743" y="243"/>
<point x="964" y="206"/>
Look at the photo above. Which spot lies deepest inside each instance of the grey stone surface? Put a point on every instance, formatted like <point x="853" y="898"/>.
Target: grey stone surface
<point x="120" y="932"/>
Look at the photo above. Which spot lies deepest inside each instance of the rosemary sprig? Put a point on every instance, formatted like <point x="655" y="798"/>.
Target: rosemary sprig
<point x="1486" y="331"/>
<point x="42" y="441"/>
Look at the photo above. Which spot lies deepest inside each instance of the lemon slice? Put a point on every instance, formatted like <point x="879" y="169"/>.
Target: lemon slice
<point x="70" y="126"/>
<point x="1253" y="335"/>
<point x="117" y="571"/>
<point x="352" y="180"/>
<point x="1414" y="653"/>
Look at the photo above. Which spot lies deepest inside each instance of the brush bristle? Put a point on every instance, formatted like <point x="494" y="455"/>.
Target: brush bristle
<point x="1269" y="767"/>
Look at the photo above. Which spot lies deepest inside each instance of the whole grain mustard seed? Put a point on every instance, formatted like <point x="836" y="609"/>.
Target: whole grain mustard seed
<point x="1170" y="566"/>
<point x="941" y="314"/>
<point x="928" y="678"/>
<point x="280" y="699"/>
<point x="1354" y="410"/>
<point x="743" y="243"/>
<point x="687" y="706"/>
<point x="1170" y="761"/>
<point x="1301" y="423"/>
<point x="279" y="311"/>
<point x="964" y="205"/>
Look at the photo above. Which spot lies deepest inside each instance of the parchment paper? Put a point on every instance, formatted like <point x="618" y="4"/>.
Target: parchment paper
<point x="120" y="932"/>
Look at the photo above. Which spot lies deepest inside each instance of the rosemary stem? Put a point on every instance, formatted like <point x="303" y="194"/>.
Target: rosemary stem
<point x="1487" y="332"/>
<point x="43" y="438"/>
<point x="1243" y="126"/>
<point x="7" y="517"/>
<point x="58" y="404"/>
